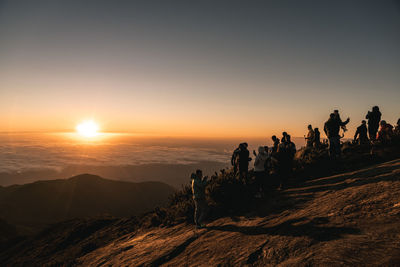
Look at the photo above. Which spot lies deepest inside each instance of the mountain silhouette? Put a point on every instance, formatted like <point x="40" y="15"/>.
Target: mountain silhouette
<point x="49" y="201"/>
<point x="348" y="219"/>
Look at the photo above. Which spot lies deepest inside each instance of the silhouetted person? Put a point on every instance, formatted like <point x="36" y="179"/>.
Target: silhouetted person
<point x="285" y="156"/>
<point x="385" y="132"/>
<point x="290" y="147"/>
<point x="397" y="128"/>
<point x="361" y="136"/>
<point x="243" y="161"/>
<point x="341" y="123"/>
<point x="234" y="159"/>
<point x="317" y="138"/>
<point x="310" y="137"/>
<point x="284" y="135"/>
<point x="276" y="144"/>
<point x="260" y="163"/>
<point x="373" y="117"/>
<point x="331" y="129"/>
<point x="199" y="197"/>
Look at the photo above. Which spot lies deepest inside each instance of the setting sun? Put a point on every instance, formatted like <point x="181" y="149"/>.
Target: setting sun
<point x="88" y="128"/>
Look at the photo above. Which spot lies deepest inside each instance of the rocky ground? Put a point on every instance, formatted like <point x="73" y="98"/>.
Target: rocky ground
<point x="351" y="219"/>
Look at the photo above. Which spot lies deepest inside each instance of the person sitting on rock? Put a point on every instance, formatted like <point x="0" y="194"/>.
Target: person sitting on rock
<point x="199" y="198"/>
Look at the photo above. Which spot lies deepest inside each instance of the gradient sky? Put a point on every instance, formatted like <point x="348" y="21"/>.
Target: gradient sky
<point x="204" y="68"/>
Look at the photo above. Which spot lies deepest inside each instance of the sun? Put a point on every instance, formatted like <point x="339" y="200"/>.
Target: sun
<point x="88" y="128"/>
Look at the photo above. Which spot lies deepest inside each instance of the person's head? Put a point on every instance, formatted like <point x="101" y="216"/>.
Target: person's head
<point x="309" y="127"/>
<point x="274" y="138"/>
<point x="336" y="112"/>
<point x="375" y="108"/>
<point x="288" y="138"/>
<point x="261" y="149"/>
<point x="284" y="134"/>
<point x="245" y="145"/>
<point x="199" y="173"/>
<point x="363" y="122"/>
<point x="332" y="116"/>
<point x="398" y="122"/>
<point x="266" y="149"/>
<point x="316" y="130"/>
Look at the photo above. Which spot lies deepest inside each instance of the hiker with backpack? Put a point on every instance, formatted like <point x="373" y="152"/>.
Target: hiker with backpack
<point x="331" y="129"/>
<point x="199" y="197"/>
<point x="361" y="136"/>
<point x="373" y="117"/>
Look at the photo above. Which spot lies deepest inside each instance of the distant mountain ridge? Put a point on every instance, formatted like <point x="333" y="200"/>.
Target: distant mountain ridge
<point x="85" y="195"/>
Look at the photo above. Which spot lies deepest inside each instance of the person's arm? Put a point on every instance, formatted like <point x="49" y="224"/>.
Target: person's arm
<point x="345" y="122"/>
<point x="357" y="133"/>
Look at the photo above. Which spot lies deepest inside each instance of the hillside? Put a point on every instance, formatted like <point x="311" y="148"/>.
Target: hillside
<point x="44" y="202"/>
<point x="347" y="219"/>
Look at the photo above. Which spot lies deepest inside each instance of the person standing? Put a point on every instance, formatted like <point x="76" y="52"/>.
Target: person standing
<point x="373" y="117"/>
<point x="331" y="129"/>
<point x="243" y="160"/>
<point x="310" y="137"/>
<point x="361" y="136"/>
<point x="317" y="138"/>
<point x="234" y="159"/>
<point x="276" y="144"/>
<point x="341" y="123"/>
<point x="284" y="135"/>
<point x="397" y="128"/>
<point x="385" y="133"/>
<point x="260" y="163"/>
<point x="199" y="198"/>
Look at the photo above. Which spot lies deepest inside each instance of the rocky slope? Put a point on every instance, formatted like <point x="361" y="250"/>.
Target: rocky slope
<point x="350" y="219"/>
<point x="43" y="202"/>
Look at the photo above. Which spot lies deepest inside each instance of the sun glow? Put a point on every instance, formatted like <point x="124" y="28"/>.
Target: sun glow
<point x="88" y="128"/>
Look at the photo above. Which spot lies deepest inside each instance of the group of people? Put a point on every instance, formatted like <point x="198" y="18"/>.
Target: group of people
<point x="371" y="132"/>
<point x="280" y="156"/>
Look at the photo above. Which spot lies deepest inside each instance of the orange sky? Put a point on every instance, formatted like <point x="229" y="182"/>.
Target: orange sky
<point x="201" y="69"/>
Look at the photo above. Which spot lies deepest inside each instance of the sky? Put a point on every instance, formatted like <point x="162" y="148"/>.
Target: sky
<point x="197" y="68"/>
